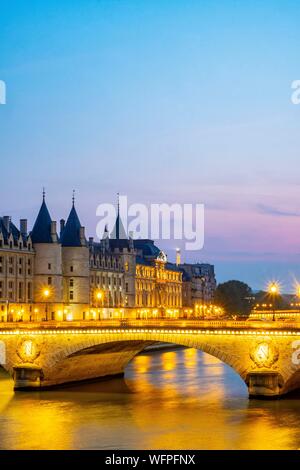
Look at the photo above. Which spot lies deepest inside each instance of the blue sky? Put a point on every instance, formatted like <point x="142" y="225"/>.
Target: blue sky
<point x="182" y="101"/>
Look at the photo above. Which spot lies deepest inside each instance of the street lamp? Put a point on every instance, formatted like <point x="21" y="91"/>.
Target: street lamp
<point x="274" y="291"/>
<point x="46" y="294"/>
<point x="98" y="297"/>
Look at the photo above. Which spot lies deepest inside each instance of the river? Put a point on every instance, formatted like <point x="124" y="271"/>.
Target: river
<point x="175" y="399"/>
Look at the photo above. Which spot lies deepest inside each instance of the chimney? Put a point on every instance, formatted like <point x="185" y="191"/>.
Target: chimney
<point x="23" y="226"/>
<point x="62" y="226"/>
<point x="82" y="236"/>
<point x="53" y="231"/>
<point x="6" y="222"/>
<point x="178" y="257"/>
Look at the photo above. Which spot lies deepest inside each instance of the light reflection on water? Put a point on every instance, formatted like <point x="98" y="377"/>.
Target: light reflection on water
<point x="181" y="399"/>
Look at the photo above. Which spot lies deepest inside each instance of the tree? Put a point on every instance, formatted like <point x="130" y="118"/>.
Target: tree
<point x="235" y="297"/>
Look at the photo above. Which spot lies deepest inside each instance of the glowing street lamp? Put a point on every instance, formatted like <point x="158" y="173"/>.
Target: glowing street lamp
<point x="98" y="296"/>
<point x="46" y="294"/>
<point x="274" y="291"/>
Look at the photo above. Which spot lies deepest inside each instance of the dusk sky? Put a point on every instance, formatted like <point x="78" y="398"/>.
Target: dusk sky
<point x="163" y="101"/>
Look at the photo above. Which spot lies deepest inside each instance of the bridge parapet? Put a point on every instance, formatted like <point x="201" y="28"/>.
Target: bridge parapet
<point x="154" y="323"/>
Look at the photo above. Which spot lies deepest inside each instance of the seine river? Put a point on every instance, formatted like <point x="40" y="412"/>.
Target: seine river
<point x="179" y="399"/>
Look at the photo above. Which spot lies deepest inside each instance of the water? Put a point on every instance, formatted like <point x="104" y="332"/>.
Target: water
<point x="181" y="399"/>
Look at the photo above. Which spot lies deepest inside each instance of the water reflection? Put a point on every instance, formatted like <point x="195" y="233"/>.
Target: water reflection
<point x="171" y="399"/>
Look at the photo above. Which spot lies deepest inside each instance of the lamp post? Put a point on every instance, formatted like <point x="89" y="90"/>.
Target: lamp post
<point x="7" y="310"/>
<point x="98" y="296"/>
<point x="274" y="290"/>
<point x="46" y="294"/>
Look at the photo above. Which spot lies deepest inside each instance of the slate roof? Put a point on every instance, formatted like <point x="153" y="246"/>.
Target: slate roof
<point x="71" y="233"/>
<point x="147" y="247"/>
<point x="12" y="230"/>
<point x="143" y="261"/>
<point x="41" y="232"/>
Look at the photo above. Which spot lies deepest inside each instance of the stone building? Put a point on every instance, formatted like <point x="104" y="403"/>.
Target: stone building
<point x="49" y="276"/>
<point x="199" y="285"/>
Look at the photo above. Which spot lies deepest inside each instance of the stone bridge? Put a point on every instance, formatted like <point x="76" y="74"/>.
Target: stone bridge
<point x="41" y="355"/>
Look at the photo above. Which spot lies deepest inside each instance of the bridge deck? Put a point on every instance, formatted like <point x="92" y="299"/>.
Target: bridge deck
<point x="203" y="325"/>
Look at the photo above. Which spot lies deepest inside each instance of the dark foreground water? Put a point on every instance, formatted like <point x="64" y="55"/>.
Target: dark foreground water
<point x="181" y="399"/>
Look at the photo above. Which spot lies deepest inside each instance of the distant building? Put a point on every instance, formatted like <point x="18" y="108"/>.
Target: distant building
<point x="49" y="276"/>
<point x="200" y="283"/>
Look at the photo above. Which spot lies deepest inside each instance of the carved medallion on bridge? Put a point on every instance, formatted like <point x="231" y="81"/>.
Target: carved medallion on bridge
<point x="264" y="353"/>
<point x="28" y="350"/>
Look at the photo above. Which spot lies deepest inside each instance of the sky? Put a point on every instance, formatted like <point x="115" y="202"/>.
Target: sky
<point x="165" y="102"/>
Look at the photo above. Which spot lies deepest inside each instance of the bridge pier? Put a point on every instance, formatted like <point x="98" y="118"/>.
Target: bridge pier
<point x="266" y="384"/>
<point x="27" y="377"/>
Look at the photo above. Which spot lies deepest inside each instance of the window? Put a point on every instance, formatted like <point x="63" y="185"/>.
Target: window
<point x="49" y="266"/>
<point x="10" y="244"/>
<point x="71" y="269"/>
<point x="126" y="287"/>
<point x="71" y="282"/>
<point x="29" y="291"/>
<point x="71" y="295"/>
<point x="29" y="246"/>
<point x="20" y="246"/>
<point x="49" y="281"/>
<point x="1" y="289"/>
<point x="1" y="243"/>
<point x="20" y="290"/>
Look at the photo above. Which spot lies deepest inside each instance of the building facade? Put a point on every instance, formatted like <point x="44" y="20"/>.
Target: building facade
<point x="46" y="276"/>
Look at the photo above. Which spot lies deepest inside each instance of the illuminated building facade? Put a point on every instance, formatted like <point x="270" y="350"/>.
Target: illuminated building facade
<point x="46" y="276"/>
<point x="199" y="284"/>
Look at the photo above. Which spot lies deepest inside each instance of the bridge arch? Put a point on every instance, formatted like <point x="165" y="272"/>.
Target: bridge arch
<point x="111" y="355"/>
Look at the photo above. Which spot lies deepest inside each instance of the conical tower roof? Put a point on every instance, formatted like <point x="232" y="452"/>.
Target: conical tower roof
<point x="41" y="232"/>
<point x="71" y="233"/>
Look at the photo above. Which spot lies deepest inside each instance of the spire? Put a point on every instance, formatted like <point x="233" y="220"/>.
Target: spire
<point x="73" y="198"/>
<point x="44" y="194"/>
<point x="118" y="232"/>
<point x="118" y="218"/>
<point x="72" y="234"/>
<point x="41" y="232"/>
